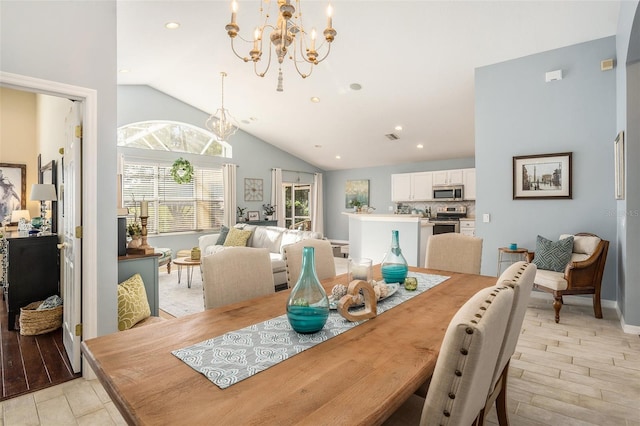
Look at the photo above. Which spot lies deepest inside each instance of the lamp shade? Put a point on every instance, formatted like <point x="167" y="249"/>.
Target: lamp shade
<point x="16" y="215"/>
<point x="43" y="192"/>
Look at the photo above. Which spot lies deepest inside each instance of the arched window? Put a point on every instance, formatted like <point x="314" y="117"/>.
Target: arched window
<point x="172" y="136"/>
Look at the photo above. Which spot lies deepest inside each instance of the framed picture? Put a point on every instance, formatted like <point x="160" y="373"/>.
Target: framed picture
<point x="619" y="165"/>
<point x="356" y="193"/>
<point x="253" y="189"/>
<point x="13" y="188"/>
<point x="542" y="176"/>
<point x="253" y="216"/>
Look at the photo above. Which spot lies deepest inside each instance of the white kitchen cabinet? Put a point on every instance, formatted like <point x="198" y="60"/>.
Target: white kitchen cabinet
<point x="411" y="187"/>
<point x="468" y="227"/>
<point x="469" y="182"/>
<point x="448" y="177"/>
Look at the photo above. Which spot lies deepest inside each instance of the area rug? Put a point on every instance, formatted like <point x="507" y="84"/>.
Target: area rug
<point x="179" y="300"/>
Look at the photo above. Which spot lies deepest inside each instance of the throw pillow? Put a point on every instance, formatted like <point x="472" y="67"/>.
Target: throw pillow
<point x="237" y="237"/>
<point x="224" y="231"/>
<point x="133" y="305"/>
<point x="553" y="255"/>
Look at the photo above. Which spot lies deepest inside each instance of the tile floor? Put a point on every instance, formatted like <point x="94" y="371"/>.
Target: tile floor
<point x="582" y="371"/>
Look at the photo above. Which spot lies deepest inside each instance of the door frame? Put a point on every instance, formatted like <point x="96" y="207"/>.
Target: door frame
<point x="89" y="98"/>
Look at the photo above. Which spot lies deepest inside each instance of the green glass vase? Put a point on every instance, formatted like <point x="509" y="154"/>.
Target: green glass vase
<point x="308" y="304"/>
<point x="394" y="266"/>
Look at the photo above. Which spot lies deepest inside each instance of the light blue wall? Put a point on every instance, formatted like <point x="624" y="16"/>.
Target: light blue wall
<point x="628" y="119"/>
<point x="255" y="157"/>
<point x="517" y="113"/>
<point x="74" y="42"/>
<point x="336" y="225"/>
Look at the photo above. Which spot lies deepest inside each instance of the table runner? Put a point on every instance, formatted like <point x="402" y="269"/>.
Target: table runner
<point x="237" y="355"/>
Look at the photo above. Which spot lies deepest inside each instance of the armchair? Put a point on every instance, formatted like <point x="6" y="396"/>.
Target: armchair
<point x="582" y="275"/>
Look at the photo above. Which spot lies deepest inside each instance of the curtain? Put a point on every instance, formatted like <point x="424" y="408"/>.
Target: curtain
<point x="317" y="222"/>
<point x="229" y="182"/>
<point x="276" y="195"/>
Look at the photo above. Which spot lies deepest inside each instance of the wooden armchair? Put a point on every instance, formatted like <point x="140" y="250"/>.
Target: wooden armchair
<point x="582" y="275"/>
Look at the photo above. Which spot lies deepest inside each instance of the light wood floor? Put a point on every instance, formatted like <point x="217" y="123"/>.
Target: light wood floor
<point x="582" y="371"/>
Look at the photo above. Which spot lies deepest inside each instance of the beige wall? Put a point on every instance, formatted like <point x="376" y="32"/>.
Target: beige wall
<point x="18" y="136"/>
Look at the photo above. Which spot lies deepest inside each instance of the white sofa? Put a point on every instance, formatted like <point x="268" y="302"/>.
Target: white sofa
<point x="272" y="238"/>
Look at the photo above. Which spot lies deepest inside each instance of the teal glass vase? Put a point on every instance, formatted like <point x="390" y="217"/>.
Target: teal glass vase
<point x="394" y="266"/>
<point x="308" y="304"/>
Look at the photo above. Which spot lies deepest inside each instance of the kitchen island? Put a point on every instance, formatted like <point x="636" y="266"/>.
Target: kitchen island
<point x="370" y="236"/>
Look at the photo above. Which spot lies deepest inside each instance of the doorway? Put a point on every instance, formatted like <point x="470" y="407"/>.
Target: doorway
<point x="297" y="200"/>
<point x="87" y="278"/>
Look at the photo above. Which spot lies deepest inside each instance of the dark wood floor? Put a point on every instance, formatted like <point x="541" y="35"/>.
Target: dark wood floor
<point x="31" y="363"/>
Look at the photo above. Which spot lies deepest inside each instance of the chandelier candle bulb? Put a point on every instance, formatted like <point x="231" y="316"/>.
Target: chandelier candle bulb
<point x="329" y="16"/>
<point x="234" y="11"/>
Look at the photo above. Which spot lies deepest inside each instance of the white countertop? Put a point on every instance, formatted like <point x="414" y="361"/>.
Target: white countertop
<point x="381" y="217"/>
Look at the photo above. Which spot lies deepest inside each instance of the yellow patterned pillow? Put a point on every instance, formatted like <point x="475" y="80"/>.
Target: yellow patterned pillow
<point x="237" y="237"/>
<point x="133" y="305"/>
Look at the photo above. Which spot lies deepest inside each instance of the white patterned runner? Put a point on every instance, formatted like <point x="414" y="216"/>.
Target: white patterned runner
<point x="237" y="355"/>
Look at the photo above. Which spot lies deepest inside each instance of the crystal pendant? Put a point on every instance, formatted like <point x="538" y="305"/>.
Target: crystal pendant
<point x="394" y="265"/>
<point x="308" y="305"/>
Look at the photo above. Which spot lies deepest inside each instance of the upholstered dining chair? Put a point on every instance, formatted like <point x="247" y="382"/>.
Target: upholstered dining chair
<point x="465" y="364"/>
<point x="519" y="277"/>
<point x="582" y="275"/>
<point x="236" y="274"/>
<point x="325" y="263"/>
<point x="454" y="252"/>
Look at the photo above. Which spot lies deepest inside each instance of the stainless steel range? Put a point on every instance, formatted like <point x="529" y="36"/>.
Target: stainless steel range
<point x="448" y="219"/>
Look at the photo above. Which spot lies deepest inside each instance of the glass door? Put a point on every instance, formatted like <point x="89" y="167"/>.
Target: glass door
<point x="297" y="199"/>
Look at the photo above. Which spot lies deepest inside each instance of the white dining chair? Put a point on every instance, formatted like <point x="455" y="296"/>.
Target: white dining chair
<point x="454" y="252"/>
<point x="236" y="274"/>
<point x="325" y="263"/>
<point x="465" y="364"/>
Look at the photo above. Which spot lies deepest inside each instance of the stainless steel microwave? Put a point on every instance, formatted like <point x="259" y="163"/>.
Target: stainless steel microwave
<point x="448" y="192"/>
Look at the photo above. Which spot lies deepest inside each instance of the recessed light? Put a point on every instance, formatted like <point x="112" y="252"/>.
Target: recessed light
<point x="398" y="128"/>
<point x="419" y="146"/>
<point x="253" y="118"/>
<point x="338" y="157"/>
<point x="317" y="146"/>
<point x="355" y="86"/>
<point x="124" y="70"/>
<point x="172" y="25"/>
<point x="315" y="99"/>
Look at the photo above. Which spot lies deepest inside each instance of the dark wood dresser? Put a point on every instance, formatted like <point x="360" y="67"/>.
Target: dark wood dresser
<point x="32" y="271"/>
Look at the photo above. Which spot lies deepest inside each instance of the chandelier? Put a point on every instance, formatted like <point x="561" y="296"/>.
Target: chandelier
<point x="221" y="123"/>
<point x="282" y="35"/>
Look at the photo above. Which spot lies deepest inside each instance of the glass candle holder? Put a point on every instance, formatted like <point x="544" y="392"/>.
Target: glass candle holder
<point x="360" y="269"/>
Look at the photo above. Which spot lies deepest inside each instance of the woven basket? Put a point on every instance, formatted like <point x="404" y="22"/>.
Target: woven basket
<point x="34" y="322"/>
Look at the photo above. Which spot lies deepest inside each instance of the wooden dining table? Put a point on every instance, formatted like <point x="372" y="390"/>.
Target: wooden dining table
<point x="358" y="377"/>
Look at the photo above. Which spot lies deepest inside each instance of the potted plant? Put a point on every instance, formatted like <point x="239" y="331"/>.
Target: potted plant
<point x="241" y="213"/>
<point x="269" y="211"/>
<point x="135" y="231"/>
<point x="356" y="205"/>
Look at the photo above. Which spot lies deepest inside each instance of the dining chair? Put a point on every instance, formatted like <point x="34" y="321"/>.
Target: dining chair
<point x="519" y="277"/>
<point x="454" y="252"/>
<point x="236" y="274"/>
<point x="465" y="364"/>
<point x="325" y="263"/>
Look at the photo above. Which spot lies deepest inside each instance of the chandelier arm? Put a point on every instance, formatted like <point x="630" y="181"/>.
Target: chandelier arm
<point x="244" y="58"/>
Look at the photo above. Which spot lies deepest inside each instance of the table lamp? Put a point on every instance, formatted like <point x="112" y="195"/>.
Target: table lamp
<point x="42" y="192"/>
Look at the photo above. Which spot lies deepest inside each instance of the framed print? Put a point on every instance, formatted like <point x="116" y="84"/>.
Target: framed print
<point x="13" y="188"/>
<point x="253" y="216"/>
<point x="542" y="176"/>
<point x="356" y="193"/>
<point x="619" y="166"/>
<point x="253" y="189"/>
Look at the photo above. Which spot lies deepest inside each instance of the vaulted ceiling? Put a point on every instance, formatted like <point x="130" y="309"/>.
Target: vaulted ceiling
<point x="414" y="61"/>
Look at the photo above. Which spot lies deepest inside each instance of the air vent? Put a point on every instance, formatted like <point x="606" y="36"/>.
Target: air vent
<point x="392" y="136"/>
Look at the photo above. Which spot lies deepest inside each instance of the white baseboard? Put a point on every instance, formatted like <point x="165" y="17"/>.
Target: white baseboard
<point x="588" y="301"/>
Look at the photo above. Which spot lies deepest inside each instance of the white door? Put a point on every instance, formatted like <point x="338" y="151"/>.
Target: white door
<point x="71" y="247"/>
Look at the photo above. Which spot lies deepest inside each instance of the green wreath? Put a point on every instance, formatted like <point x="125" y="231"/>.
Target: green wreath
<point x="182" y="171"/>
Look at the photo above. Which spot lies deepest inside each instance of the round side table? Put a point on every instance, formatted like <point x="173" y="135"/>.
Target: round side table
<point x="186" y="261"/>
<point x="506" y="255"/>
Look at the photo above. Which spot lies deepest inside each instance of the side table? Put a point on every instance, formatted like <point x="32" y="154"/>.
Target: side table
<point x="506" y="255"/>
<point x="186" y="261"/>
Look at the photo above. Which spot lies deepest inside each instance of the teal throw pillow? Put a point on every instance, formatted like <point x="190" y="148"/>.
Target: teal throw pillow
<point x="224" y="231"/>
<point x="553" y="255"/>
